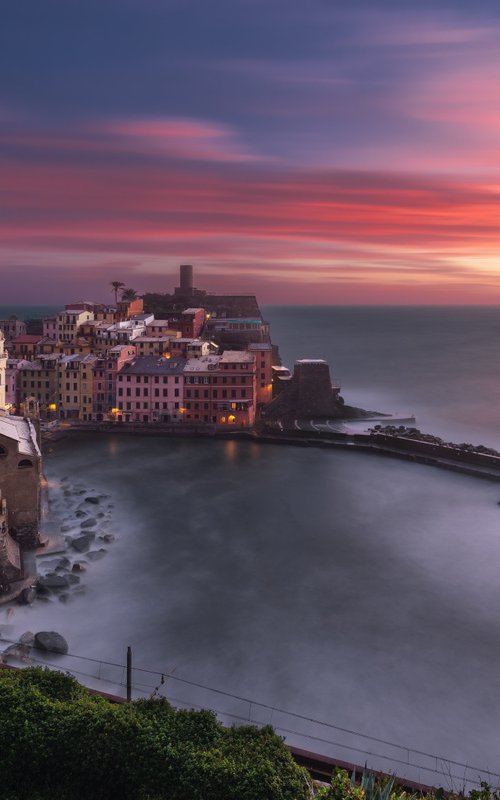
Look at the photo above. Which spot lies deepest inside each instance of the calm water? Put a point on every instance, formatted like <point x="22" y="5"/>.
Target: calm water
<point x="349" y="588"/>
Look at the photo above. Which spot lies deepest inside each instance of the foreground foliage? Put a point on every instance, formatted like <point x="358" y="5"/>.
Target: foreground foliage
<point x="57" y="741"/>
<point x="373" y="787"/>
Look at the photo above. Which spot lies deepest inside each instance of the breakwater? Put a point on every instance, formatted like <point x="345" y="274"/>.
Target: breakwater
<point x="427" y="451"/>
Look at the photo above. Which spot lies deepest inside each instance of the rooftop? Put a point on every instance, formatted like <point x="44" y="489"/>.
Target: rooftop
<point x="202" y="364"/>
<point x="20" y="430"/>
<point x="27" y="339"/>
<point x="237" y="357"/>
<point x="152" y="365"/>
<point x="260" y="346"/>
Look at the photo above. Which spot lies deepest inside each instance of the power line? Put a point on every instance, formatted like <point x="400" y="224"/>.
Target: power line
<point x="273" y="709"/>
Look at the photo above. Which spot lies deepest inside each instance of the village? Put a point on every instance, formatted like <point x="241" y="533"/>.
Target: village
<point x="206" y="364"/>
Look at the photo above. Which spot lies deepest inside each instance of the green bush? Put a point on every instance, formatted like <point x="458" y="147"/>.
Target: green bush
<point x="57" y="741"/>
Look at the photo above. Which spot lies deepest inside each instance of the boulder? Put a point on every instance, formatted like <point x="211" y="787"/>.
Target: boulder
<point x="27" y="638"/>
<point x="88" y="523"/>
<point x="78" y="566"/>
<point x="93" y="500"/>
<point x="83" y="542"/>
<point x="51" y="642"/>
<point x="52" y="581"/>
<point x="95" y="555"/>
<point x="80" y="513"/>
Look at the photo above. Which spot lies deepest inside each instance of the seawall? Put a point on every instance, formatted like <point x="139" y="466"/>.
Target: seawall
<point x="479" y="465"/>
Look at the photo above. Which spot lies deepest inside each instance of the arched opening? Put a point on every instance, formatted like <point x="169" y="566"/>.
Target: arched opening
<point x="3" y="452"/>
<point x="25" y="464"/>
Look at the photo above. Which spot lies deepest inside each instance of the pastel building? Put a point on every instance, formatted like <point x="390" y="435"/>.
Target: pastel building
<point x="220" y="389"/>
<point x="150" y="389"/>
<point x="12" y="327"/>
<point x="69" y="322"/>
<point x="50" y="328"/>
<point x="105" y="371"/>
<point x="75" y="386"/>
<point x="27" y="346"/>
<point x="191" y="348"/>
<point x="263" y="352"/>
<point x="39" y="379"/>
<point x="152" y="345"/>
<point x="161" y="327"/>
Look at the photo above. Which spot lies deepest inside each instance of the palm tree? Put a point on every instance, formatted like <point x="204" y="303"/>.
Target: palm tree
<point x="129" y="294"/>
<point x="117" y="285"/>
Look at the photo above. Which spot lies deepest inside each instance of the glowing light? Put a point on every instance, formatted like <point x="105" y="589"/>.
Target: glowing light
<point x="233" y="406"/>
<point x="167" y="355"/>
<point x="222" y="419"/>
<point x="114" y="410"/>
<point x="231" y="419"/>
<point x="182" y="410"/>
<point x="52" y="407"/>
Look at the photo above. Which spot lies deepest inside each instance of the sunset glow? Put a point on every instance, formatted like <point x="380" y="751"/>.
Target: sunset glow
<point x="364" y="169"/>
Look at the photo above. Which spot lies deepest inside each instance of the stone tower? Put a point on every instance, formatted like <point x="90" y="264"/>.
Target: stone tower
<point x="3" y="371"/>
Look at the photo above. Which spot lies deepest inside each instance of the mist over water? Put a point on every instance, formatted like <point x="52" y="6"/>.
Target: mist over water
<point x="441" y="363"/>
<point x="352" y="588"/>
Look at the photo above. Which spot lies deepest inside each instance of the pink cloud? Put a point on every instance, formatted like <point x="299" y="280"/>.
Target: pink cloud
<point x="180" y="138"/>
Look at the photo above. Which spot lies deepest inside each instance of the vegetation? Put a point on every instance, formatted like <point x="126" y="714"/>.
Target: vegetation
<point x="116" y="286"/>
<point x="57" y="741"/>
<point x="128" y="294"/>
<point x="372" y="787"/>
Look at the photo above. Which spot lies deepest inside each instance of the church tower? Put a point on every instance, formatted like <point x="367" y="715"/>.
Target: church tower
<point x="3" y="371"/>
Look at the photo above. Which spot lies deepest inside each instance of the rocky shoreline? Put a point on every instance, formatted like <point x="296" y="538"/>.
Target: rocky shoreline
<point x="77" y="530"/>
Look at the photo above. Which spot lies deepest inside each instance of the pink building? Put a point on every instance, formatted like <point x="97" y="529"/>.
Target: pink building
<point x="50" y="329"/>
<point x="105" y="374"/>
<point x="150" y="389"/>
<point x="221" y="389"/>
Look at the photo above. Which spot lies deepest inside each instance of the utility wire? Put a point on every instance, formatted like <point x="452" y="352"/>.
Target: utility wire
<point x="274" y="709"/>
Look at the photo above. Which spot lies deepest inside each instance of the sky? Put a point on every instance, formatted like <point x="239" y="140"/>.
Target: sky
<point x="308" y="151"/>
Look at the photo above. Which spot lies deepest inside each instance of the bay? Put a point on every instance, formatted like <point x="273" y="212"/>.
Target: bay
<point x="349" y="588"/>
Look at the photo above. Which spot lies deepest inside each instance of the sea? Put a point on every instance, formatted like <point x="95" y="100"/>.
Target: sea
<point x="350" y="600"/>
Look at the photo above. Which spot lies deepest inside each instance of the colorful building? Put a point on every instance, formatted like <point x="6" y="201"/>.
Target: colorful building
<point x="105" y="371"/>
<point x="150" y="389"/>
<point x="263" y="352"/>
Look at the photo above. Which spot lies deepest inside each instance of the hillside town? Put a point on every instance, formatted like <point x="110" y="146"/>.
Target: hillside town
<point x="186" y="361"/>
<point x="205" y="364"/>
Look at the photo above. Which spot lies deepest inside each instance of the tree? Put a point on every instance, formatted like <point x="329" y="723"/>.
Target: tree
<point x="129" y="294"/>
<point x="117" y="285"/>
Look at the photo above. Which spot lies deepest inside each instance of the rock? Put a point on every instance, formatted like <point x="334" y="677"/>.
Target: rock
<point x="100" y="515"/>
<point x="80" y="513"/>
<point x="78" y="566"/>
<point x="66" y="528"/>
<point x="65" y="598"/>
<point x="82" y="543"/>
<point x="16" y="651"/>
<point x="88" y="523"/>
<point x="27" y="638"/>
<point x="51" y="642"/>
<point x="93" y="500"/>
<point x="72" y="579"/>
<point x="95" y="555"/>
<point x="52" y="581"/>
<point x="107" y="537"/>
<point x="27" y="596"/>
<point x="63" y="563"/>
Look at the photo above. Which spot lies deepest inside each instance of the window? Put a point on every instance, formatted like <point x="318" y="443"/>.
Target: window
<point x="25" y="464"/>
<point x="176" y="393"/>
